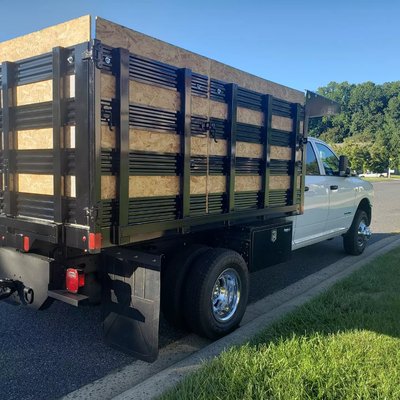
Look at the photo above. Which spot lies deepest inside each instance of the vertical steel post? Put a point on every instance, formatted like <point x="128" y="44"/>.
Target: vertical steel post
<point x="185" y="89"/>
<point x="266" y="134"/>
<point x="82" y="133"/>
<point x="8" y="91"/>
<point x="295" y="141"/>
<point x="59" y="70"/>
<point x="121" y="72"/>
<point x="232" y="90"/>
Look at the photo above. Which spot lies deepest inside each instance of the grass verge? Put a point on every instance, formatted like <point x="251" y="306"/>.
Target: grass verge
<point x="345" y="344"/>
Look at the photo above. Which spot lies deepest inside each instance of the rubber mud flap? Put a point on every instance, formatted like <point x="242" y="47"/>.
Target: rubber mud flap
<point x="131" y="302"/>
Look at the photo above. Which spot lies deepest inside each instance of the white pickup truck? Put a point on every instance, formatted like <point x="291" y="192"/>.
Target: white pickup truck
<point x="335" y="202"/>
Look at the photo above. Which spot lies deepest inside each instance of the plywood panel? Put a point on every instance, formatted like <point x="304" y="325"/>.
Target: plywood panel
<point x="70" y="186"/>
<point x="210" y="184"/>
<point x="281" y="153"/>
<point x="218" y="148"/>
<point x="282" y="123"/>
<point x="248" y="81"/>
<point x="154" y="141"/>
<point x="35" y="184"/>
<point x="247" y="116"/>
<point x="137" y="43"/>
<point x="107" y="84"/>
<point x="69" y="137"/>
<point x="66" y="34"/>
<point x="145" y="186"/>
<point x="108" y="137"/>
<point x="251" y="150"/>
<point x="118" y="36"/>
<point x="216" y="184"/>
<point x="154" y="96"/>
<point x="108" y="187"/>
<point x="199" y="145"/>
<point x="279" y="182"/>
<point x="247" y="183"/>
<point x="204" y="107"/>
<point x="37" y="92"/>
<point x="34" y="139"/>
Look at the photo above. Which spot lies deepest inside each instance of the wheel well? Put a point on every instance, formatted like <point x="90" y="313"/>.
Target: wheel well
<point x="365" y="206"/>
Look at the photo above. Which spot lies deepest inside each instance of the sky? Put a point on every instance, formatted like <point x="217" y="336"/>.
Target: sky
<point x="302" y="44"/>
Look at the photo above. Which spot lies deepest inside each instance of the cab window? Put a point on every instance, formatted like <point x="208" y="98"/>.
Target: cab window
<point x="312" y="167"/>
<point x="329" y="160"/>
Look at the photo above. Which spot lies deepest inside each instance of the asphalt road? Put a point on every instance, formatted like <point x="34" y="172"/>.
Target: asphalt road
<point x="45" y="355"/>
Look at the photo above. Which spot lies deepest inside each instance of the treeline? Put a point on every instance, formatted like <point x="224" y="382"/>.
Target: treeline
<point x="368" y="128"/>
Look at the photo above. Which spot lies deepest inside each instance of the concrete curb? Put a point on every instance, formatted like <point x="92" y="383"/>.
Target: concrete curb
<point x="258" y="316"/>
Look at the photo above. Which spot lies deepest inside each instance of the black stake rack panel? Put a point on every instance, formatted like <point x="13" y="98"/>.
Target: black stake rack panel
<point x="119" y="219"/>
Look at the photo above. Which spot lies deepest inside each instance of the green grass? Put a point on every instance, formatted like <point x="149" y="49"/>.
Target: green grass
<point x="345" y="344"/>
<point x="382" y="179"/>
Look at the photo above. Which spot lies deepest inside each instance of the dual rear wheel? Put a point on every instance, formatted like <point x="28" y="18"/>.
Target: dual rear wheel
<point x="207" y="291"/>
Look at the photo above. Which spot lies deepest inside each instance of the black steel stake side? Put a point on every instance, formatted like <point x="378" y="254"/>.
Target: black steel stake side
<point x="185" y="89"/>
<point x="59" y="60"/>
<point x="82" y="132"/>
<point x="296" y="116"/>
<point x="95" y="148"/>
<point x="303" y="161"/>
<point x="232" y="91"/>
<point x="267" y="133"/>
<point x="121" y="72"/>
<point x="8" y="89"/>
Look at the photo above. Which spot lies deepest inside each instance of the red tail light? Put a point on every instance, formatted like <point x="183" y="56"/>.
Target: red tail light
<point x="74" y="279"/>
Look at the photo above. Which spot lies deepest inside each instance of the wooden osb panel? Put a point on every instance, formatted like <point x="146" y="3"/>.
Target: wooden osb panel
<point x="282" y="123"/>
<point x="247" y="116"/>
<point x="218" y="148"/>
<point x="216" y="184"/>
<point x="69" y="137"/>
<point x="154" y="141"/>
<point x="35" y="184"/>
<point x="70" y="86"/>
<point x="34" y="139"/>
<point x="251" y="150"/>
<point x="210" y="184"/>
<point x="107" y="84"/>
<point x="70" y="186"/>
<point x="248" y="81"/>
<point x="154" y="96"/>
<point x="146" y="186"/>
<point x="198" y="145"/>
<point x="108" y="139"/>
<point x="118" y="36"/>
<point x="65" y="35"/>
<point x="204" y="107"/>
<point x="247" y="183"/>
<point x="108" y="187"/>
<point x="37" y="92"/>
<point x="279" y="182"/>
<point x="281" y="153"/>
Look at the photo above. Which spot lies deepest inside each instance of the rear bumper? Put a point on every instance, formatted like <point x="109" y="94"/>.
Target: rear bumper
<point x="30" y="274"/>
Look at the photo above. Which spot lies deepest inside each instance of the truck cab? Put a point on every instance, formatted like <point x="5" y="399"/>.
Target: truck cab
<point x="334" y="202"/>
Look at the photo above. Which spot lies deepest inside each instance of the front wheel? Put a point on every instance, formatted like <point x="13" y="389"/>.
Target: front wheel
<point x="355" y="240"/>
<point x="216" y="293"/>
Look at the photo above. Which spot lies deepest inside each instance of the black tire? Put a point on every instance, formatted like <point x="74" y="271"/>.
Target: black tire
<point x="352" y="242"/>
<point x="173" y="281"/>
<point x="199" y="309"/>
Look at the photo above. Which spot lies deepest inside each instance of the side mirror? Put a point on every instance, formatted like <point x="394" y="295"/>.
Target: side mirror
<point x="344" y="166"/>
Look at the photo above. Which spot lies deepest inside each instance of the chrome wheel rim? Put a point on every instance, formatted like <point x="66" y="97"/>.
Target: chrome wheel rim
<point x="226" y="295"/>
<point x="363" y="234"/>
